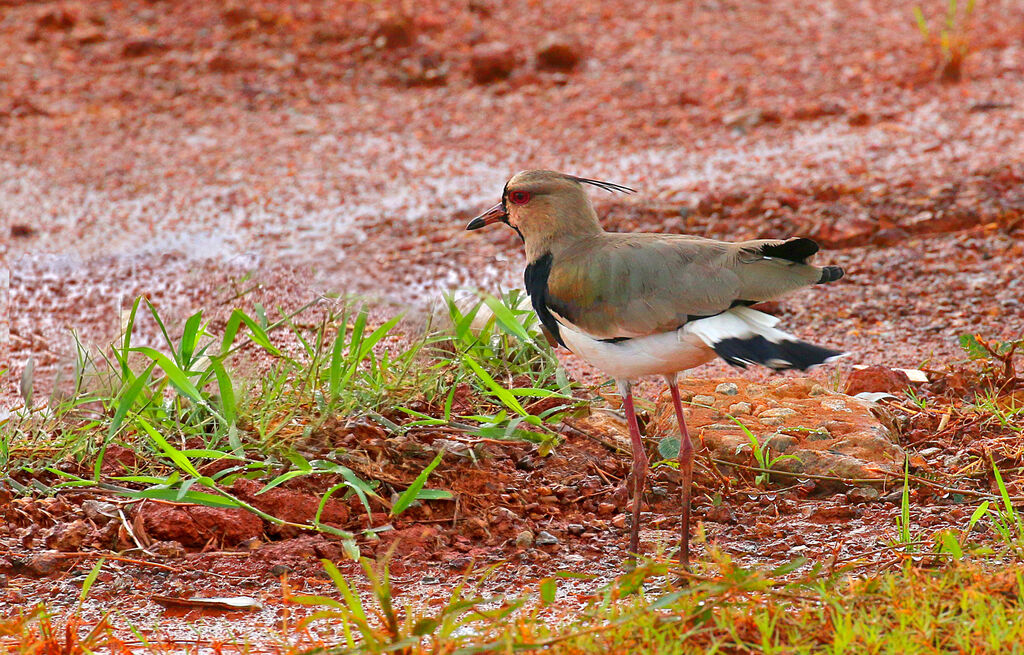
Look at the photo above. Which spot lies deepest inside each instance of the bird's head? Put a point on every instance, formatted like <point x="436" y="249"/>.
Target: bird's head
<point x="546" y="209"/>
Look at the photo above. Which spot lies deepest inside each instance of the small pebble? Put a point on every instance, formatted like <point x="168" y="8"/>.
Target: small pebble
<point x="704" y="400"/>
<point x="619" y="521"/>
<point x="727" y="389"/>
<point x="604" y="509"/>
<point x="772" y="421"/>
<point x="896" y="497"/>
<point x="659" y="491"/>
<point x="930" y="452"/>
<point x="864" y="495"/>
<point x="778" y="412"/>
<point x="739" y="409"/>
<point x="835" y="404"/>
<point x="44" y="564"/>
<point x="817" y="390"/>
<point x="98" y="511"/>
<point x="429" y="579"/>
<point x="575" y="529"/>
<point x="546" y="539"/>
<point x="524" y="539"/>
<point x="278" y="570"/>
<point x="756" y="389"/>
<point x="720" y="514"/>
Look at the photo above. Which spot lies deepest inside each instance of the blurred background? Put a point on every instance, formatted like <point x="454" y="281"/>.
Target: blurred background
<point x="212" y="154"/>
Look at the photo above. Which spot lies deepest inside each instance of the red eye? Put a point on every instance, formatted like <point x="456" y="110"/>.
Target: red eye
<point x="519" y="197"/>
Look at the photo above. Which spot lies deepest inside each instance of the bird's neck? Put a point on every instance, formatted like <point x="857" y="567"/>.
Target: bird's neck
<point x="555" y="236"/>
<point x="556" y="245"/>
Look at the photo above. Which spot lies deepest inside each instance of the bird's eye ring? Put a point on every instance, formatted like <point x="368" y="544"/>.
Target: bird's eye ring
<point x="519" y="197"/>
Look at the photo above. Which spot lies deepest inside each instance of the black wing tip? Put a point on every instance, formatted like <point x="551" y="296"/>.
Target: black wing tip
<point x="796" y="250"/>
<point x="831" y="274"/>
<point x="607" y="186"/>
<point x="781" y="356"/>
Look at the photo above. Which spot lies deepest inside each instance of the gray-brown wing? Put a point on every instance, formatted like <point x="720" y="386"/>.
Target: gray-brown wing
<point x="630" y="285"/>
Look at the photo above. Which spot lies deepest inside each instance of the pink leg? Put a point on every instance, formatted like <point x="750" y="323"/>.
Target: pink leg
<point x="685" y="469"/>
<point x="639" y="468"/>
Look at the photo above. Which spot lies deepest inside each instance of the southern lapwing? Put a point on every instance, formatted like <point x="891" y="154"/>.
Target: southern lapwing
<point x="634" y="305"/>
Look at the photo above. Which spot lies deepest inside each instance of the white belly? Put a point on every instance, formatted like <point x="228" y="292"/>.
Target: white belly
<point x="658" y="354"/>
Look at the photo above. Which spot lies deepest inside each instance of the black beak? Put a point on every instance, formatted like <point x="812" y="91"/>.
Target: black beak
<point x="492" y="215"/>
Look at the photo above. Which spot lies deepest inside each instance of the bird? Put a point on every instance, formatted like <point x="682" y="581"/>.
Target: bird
<point x="651" y="304"/>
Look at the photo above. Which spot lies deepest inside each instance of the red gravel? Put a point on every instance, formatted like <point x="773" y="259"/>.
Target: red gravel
<point x="170" y="149"/>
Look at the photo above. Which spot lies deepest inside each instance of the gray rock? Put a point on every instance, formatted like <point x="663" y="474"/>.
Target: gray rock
<point x="546" y="539"/>
<point x="727" y="389"/>
<point x="575" y="529"/>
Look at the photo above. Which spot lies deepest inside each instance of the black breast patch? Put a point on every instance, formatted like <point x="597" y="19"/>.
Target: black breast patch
<point x="536" y="279"/>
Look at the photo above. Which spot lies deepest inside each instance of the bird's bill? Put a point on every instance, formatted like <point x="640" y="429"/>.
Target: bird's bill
<point x="492" y="215"/>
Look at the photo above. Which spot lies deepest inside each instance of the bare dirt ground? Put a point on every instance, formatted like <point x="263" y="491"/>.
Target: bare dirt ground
<point x="192" y="150"/>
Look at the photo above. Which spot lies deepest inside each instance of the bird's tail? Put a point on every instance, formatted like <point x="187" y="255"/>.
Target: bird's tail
<point x="743" y="336"/>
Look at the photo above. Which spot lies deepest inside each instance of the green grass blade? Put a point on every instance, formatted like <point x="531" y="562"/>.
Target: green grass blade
<point x="128" y="399"/>
<point x="178" y="378"/>
<point x="366" y="345"/>
<point x="173" y="453"/>
<point x="160" y="324"/>
<point x="334" y="374"/>
<point x="190" y="336"/>
<point x="228" y="404"/>
<point x="351" y="600"/>
<point x="503" y="394"/>
<point x="256" y="333"/>
<point x="171" y="495"/>
<point x="284" y="477"/>
<point x="922" y="24"/>
<point x="411" y="494"/>
<point x="434" y="494"/>
<point x="127" y="341"/>
<point x="90" y="579"/>
<point x="506" y="319"/>
<point x="173" y="372"/>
